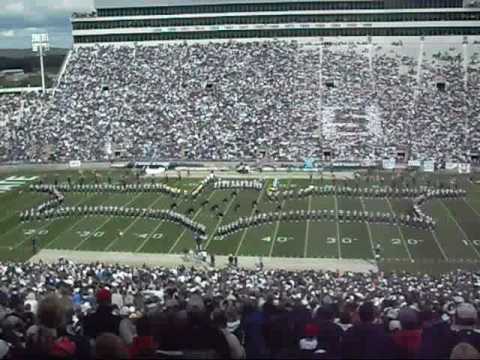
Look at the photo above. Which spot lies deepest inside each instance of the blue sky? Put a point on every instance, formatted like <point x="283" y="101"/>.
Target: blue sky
<point x="20" y="18"/>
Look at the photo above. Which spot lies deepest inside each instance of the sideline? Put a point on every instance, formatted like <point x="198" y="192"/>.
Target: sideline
<point x="172" y="260"/>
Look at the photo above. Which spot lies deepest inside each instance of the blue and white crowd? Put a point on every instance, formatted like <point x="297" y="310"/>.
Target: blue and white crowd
<point x="234" y="101"/>
<point x="83" y="311"/>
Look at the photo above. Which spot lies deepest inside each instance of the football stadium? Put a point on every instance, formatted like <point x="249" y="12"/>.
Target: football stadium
<point x="246" y="179"/>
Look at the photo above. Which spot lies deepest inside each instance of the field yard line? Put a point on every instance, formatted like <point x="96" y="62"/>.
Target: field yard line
<point x="434" y="234"/>
<point x="369" y="229"/>
<point x="338" y="228"/>
<point x="400" y="232"/>
<point x="149" y="237"/>
<point x="20" y="225"/>
<point x="10" y="214"/>
<point x="143" y="243"/>
<point x="76" y="247"/>
<point x="277" y="226"/>
<point x="103" y="224"/>
<point x="307" y="228"/>
<point x="67" y="229"/>
<point x="219" y="222"/>
<point x="39" y="228"/>
<point x="114" y="241"/>
<point x="244" y="235"/>
<point x="459" y="227"/>
<point x="50" y="222"/>
<point x="7" y="216"/>
<point x="70" y="227"/>
<point x="275" y="233"/>
<point x="185" y="230"/>
<point x="471" y="207"/>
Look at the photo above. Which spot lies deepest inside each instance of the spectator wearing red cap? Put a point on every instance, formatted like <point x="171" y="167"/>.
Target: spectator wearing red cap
<point x="144" y="344"/>
<point x="308" y="344"/>
<point x="102" y="320"/>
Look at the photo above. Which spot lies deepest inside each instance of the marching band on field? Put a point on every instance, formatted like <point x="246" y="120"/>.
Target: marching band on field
<point x="89" y="210"/>
<point x="367" y="192"/>
<point x="238" y="184"/>
<point x="53" y="208"/>
<point x="433" y="193"/>
<point x="111" y="188"/>
<point x="326" y="215"/>
<point x="210" y="179"/>
<point x="226" y="184"/>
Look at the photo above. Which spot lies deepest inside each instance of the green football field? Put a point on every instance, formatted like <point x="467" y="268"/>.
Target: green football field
<point x="455" y="243"/>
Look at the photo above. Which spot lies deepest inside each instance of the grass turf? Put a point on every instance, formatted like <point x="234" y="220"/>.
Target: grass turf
<point x="455" y="243"/>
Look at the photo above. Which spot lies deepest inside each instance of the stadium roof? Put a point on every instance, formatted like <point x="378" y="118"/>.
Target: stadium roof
<point x="104" y="4"/>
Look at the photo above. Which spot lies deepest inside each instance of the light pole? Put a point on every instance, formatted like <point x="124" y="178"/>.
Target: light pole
<point x="40" y="44"/>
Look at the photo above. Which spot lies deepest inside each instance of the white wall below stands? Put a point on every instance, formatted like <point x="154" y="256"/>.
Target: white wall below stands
<point x="21" y="89"/>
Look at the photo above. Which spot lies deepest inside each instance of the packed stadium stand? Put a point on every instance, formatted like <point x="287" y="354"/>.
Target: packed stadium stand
<point x="278" y="100"/>
<point x="58" y="310"/>
<point x="217" y="89"/>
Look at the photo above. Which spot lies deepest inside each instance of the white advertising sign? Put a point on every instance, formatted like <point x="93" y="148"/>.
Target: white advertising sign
<point x="74" y="164"/>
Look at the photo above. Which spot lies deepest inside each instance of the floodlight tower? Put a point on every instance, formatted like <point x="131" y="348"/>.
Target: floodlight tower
<point x="41" y="45"/>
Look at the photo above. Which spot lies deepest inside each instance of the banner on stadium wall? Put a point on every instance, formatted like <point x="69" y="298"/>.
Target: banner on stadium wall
<point x="368" y="163"/>
<point x="153" y="172"/>
<point x="451" y="166"/>
<point x="120" y="165"/>
<point x="389" y="164"/>
<point x="140" y="164"/>
<point x="309" y="164"/>
<point x="74" y="164"/>
<point x="464" y="168"/>
<point x="347" y="164"/>
<point x="428" y="166"/>
<point x="414" y="163"/>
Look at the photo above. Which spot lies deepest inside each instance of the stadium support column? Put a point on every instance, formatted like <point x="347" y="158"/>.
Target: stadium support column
<point x="40" y="44"/>
<point x="419" y="67"/>
<point x="416" y="92"/>
<point x="41" y="69"/>
<point x="468" y="111"/>
<point x="370" y="64"/>
<point x="320" y="99"/>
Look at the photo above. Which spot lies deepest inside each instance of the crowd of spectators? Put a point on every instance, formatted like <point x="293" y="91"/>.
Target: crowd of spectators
<point x="82" y="311"/>
<point x="246" y="100"/>
<point x="21" y="126"/>
<point x="473" y="106"/>
<point x="442" y="114"/>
